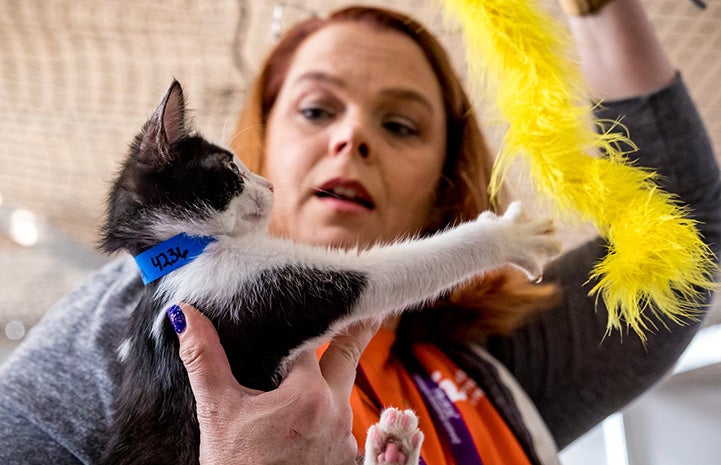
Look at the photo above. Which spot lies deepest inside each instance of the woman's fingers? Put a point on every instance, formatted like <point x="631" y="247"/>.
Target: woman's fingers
<point x="306" y="413"/>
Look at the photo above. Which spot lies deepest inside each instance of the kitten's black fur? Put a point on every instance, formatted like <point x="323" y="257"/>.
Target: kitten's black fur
<point x="266" y="297"/>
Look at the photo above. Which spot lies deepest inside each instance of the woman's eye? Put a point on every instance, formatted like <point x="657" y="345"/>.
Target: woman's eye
<point x="315" y="113"/>
<point x="401" y="128"/>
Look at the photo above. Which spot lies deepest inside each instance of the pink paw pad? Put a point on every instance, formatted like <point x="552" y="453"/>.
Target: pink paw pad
<point x="394" y="440"/>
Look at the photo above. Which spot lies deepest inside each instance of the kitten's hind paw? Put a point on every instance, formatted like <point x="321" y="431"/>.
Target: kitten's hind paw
<point x="394" y="440"/>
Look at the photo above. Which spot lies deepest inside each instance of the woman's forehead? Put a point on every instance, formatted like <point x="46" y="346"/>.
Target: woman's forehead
<point x="351" y="52"/>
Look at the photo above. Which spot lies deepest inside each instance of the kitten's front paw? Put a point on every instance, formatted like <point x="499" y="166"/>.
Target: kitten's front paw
<point x="394" y="440"/>
<point x="531" y="242"/>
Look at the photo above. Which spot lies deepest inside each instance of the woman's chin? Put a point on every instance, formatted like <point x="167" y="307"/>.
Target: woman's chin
<point x="337" y="237"/>
<point x="340" y="240"/>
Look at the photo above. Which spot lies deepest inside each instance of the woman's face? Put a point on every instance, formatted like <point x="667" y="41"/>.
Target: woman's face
<point x="355" y="142"/>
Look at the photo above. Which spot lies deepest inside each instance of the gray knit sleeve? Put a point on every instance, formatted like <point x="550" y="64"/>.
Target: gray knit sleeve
<point x="57" y="387"/>
<point x="574" y="375"/>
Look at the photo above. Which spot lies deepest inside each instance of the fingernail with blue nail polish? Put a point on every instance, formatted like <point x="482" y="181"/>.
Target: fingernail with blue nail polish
<point x="176" y="317"/>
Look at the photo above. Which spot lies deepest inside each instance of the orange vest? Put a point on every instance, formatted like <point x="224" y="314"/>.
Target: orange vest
<point x="392" y="385"/>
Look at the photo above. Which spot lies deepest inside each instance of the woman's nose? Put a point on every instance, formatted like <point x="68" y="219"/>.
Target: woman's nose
<point x="350" y="139"/>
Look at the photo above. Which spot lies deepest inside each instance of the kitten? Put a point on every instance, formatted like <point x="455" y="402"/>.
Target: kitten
<point x="269" y="298"/>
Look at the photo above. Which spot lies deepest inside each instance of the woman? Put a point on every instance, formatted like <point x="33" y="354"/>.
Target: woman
<point x="370" y="112"/>
<point x="307" y="113"/>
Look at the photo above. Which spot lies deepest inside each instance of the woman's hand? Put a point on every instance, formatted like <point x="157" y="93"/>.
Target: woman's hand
<point x="307" y="419"/>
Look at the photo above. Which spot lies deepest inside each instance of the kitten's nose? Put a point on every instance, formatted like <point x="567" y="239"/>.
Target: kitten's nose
<point x="262" y="181"/>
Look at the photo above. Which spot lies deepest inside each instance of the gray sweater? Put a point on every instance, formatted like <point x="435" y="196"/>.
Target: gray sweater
<point x="57" y="388"/>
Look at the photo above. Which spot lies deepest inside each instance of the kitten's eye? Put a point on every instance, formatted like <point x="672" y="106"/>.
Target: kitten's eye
<point x="234" y="168"/>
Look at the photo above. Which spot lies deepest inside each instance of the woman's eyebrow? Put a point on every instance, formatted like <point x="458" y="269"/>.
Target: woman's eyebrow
<point x="320" y="76"/>
<point x="399" y="93"/>
<point x="408" y="94"/>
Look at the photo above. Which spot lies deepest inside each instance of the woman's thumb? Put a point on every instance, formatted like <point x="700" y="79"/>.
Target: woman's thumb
<point x="339" y="362"/>
<point x="200" y="350"/>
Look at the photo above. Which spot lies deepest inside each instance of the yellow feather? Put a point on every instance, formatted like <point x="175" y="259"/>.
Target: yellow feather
<point x="656" y="261"/>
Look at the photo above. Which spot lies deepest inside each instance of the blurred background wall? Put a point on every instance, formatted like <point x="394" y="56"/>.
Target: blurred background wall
<point x="78" y="79"/>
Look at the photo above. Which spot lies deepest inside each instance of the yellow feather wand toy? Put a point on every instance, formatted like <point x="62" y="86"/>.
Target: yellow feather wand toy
<point x="656" y="261"/>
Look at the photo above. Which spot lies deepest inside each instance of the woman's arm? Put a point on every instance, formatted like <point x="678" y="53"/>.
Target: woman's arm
<point x="619" y="52"/>
<point x="575" y="375"/>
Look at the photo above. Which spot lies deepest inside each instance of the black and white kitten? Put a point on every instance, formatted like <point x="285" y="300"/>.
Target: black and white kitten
<point x="269" y="298"/>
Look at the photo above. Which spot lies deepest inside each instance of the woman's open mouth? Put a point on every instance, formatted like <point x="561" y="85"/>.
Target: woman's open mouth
<point x="344" y="191"/>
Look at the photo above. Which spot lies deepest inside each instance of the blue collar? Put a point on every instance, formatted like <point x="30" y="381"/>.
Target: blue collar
<point x="170" y="255"/>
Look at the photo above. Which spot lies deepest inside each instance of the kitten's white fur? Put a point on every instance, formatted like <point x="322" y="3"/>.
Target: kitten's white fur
<point x="400" y="275"/>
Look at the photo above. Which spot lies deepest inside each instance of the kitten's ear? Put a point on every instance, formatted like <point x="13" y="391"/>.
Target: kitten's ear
<point x="165" y="127"/>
